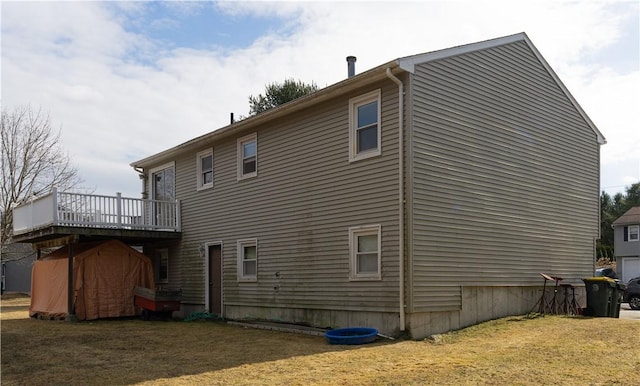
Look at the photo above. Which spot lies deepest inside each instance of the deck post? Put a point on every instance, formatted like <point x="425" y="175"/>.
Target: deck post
<point x="71" y="315"/>
<point x="177" y="222"/>
<point x="54" y="194"/>
<point x="119" y="209"/>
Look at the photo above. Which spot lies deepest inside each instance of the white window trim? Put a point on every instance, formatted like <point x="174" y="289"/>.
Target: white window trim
<point x="637" y="227"/>
<point x="199" y="157"/>
<point x="240" y="252"/>
<point x="240" y="158"/>
<point x="160" y="252"/>
<point x="171" y="164"/>
<point x="354" y="103"/>
<point x="354" y="232"/>
<point x="151" y="188"/>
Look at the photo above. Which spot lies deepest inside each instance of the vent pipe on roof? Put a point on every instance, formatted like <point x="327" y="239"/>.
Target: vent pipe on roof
<point x="231" y="119"/>
<point x="351" y="66"/>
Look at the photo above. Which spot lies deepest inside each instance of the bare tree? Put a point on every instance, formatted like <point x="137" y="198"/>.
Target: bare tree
<point x="32" y="162"/>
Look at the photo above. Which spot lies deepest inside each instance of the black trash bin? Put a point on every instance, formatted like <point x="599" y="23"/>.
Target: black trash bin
<point x="616" y="299"/>
<point x="600" y="292"/>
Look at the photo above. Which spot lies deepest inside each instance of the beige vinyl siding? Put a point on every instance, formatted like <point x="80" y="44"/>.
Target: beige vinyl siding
<point x="299" y="208"/>
<point x="504" y="177"/>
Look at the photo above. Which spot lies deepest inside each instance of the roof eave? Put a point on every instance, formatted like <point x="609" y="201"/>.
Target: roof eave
<point x="403" y="64"/>
<point x="630" y="217"/>
<point x="342" y="87"/>
<point x="599" y="136"/>
<point x="408" y="64"/>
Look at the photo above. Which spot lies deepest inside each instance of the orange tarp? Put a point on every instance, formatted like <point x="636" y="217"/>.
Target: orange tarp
<point x="104" y="277"/>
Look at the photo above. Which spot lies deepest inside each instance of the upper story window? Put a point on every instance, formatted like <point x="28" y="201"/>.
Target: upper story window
<point x="204" y="165"/>
<point x="248" y="260"/>
<point x="364" y="126"/>
<point x="632" y="233"/>
<point x="364" y="251"/>
<point x="248" y="156"/>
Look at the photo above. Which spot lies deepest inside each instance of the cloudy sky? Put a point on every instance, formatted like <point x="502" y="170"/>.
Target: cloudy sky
<point x="124" y="80"/>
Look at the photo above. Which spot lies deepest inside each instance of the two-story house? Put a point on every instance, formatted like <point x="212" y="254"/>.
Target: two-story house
<point x="423" y="195"/>
<point x="626" y="243"/>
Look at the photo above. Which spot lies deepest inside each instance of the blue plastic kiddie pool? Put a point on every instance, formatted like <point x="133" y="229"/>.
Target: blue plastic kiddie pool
<point x="351" y="335"/>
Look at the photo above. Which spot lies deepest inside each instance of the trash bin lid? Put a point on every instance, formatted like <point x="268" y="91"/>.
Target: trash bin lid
<point x="600" y="280"/>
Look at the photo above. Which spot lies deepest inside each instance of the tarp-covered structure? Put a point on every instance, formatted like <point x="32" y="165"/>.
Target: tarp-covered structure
<point x="104" y="277"/>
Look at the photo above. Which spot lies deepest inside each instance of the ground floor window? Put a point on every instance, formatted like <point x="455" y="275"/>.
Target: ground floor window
<point x="364" y="252"/>
<point x="248" y="260"/>
<point x="162" y="266"/>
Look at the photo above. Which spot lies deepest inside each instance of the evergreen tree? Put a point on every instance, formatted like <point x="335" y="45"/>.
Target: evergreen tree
<point x="276" y="94"/>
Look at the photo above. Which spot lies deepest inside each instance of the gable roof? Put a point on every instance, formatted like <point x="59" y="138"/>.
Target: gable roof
<point x="408" y="64"/>
<point x="632" y="216"/>
<point x="405" y="64"/>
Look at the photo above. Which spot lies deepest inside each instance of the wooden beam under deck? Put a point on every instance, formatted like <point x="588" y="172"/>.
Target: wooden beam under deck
<point x="54" y="236"/>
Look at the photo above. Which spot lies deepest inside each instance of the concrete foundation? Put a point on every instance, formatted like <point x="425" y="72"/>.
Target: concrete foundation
<point x="386" y="323"/>
<point x="479" y="304"/>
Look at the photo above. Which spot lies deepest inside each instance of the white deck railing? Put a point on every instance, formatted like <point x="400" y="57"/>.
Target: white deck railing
<point x="95" y="211"/>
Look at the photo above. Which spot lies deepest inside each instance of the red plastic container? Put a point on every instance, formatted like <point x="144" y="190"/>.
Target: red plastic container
<point x="164" y="301"/>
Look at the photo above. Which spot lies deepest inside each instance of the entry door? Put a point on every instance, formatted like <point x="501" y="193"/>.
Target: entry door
<point x="215" y="279"/>
<point x="163" y="194"/>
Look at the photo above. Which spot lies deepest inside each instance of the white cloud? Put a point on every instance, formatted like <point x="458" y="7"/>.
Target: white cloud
<point x="611" y="101"/>
<point x="121" y="96"/>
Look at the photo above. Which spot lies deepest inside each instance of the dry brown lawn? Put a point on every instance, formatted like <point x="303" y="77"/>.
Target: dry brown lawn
<point x="510" y="351"/>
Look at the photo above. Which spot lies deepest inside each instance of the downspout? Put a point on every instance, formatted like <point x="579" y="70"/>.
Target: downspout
<point x="143" y="178"/>
<point x="400" y="192"/>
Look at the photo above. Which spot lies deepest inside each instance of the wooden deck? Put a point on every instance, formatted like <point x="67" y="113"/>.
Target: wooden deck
<point x="75" y="216"/>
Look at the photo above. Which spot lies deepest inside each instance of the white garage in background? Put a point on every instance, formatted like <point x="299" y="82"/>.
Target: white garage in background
<point x="626" y="241"/>
<point x="630" y="268"/>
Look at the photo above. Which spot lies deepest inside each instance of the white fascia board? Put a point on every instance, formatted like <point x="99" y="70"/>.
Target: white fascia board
<point x="343" y="87"/>
<point x="408" y="63"/>
<point x="599" y="137"/>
